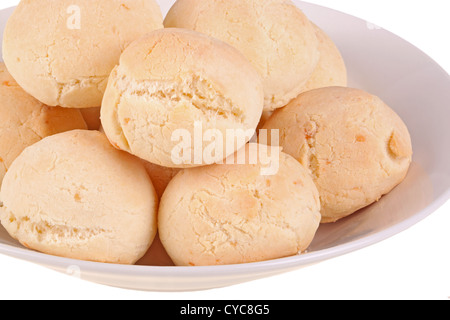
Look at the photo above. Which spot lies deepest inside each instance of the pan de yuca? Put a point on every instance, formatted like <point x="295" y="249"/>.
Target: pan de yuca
<point x="274" y="35"/>
<point x="177" y="81"/>
<point x="62" y="52"/>
<point x="356" y="148"/>
<point x="73" y="195"/>
<point x="231" y="213"/>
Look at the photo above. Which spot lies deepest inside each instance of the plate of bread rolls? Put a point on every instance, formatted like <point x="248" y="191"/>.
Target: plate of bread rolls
<point x="195" y="144"/>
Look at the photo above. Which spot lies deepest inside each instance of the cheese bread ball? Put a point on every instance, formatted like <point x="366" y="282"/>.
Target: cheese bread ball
<point x="171" y="88"/>
<point x="73" y="195"/>
<point x="232" y="214"/>
<point x="62" y="52"/>
<point x="356" y="148"/>
<point x="24" y="120"/>
<point x="331" y="70"/>
<point x="274" y="35"/>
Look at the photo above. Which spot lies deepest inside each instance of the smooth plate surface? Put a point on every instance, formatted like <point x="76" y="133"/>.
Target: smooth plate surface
<point x="379" y="62"/>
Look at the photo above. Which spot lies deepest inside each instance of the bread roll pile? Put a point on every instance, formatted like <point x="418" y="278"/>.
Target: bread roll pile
<point x="98" y="98"/>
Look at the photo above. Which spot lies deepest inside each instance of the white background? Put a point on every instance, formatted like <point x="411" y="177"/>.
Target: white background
<point x="412" y="265"/>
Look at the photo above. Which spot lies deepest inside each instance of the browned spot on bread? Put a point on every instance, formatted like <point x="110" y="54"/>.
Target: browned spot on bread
<point x="245" y="202"/>
<point x="398" y="147"/>
<point x="310" y="130"/>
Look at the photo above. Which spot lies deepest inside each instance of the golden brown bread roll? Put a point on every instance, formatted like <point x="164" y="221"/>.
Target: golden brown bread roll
<point x="274" y="35"/>
<point x="174" y="81"/>
<point x="74" y="195"/>
<point x="356" y="148"/>
<point x="62" y="52"/>
<point x="232" y="214"/>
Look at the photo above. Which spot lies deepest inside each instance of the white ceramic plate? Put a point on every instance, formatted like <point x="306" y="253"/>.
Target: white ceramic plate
<point x="378" y="62"/>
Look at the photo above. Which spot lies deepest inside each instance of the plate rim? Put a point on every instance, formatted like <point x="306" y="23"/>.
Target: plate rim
<point x="277" y="265"/>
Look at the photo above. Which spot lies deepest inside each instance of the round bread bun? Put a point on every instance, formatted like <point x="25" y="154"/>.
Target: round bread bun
<point x="331" y="70"/>
<point x="356" y="147"/>
<point x="92" y="117"/>
<point x="24" y="120"/>
<point x="160" y="176"/>
<point x="73" y="195"/>
<point x="62" y="52"/>
<point x="176" y="81"/>
<point x="274" y="35"/>
<point x="232" y="214"/>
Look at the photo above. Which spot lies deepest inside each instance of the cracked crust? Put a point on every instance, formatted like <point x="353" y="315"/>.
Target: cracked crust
<point x="69" y="67"/>
<point x="25" y="121"/>
<point x="74" y="195"/>
<point x="356" y="148"/>
<point x="168" y="81"/>
<point x="231" y="214"/>
<point x="274" y="35"/>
